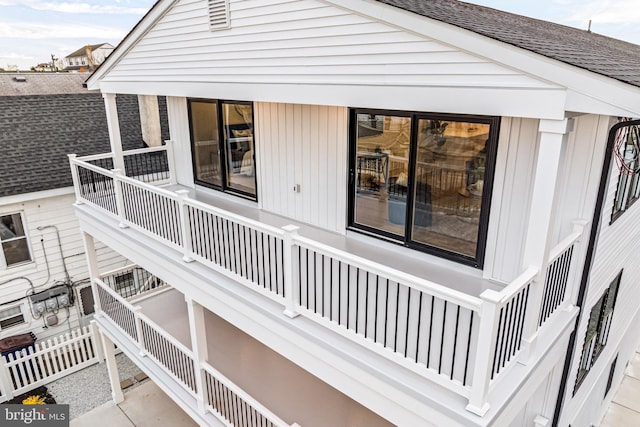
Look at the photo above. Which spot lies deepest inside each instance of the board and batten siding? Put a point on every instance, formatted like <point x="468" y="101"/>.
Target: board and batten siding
<point x="580" y="177"/>
<point x="57" y="211"/>
<point x="303" y="145"/>
<point x="617" y="249"/>
<point x="513" y="181"/>
<point x="340" y="57"/>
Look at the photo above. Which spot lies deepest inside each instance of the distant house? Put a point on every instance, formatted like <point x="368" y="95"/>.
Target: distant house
<point x="87" y="57"/>
<point x="44" y="116"/>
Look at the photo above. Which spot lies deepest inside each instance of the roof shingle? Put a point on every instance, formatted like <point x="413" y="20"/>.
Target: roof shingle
<point x="599" y="54"/>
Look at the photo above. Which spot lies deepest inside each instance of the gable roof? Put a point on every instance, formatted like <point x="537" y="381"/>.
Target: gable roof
<point x="83" y="50"/>
<point x="593" y="52"/>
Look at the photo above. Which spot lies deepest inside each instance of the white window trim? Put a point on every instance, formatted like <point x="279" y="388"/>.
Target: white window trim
<point x="26" y="318"/>
<point x="3" y="262"/>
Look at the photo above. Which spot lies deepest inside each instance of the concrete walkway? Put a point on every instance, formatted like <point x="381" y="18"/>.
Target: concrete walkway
<point x="144" y="406"/>
<point x="625" y="406"/>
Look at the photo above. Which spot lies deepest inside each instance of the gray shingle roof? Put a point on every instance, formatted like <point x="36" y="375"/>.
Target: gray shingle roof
<point x="41" y="83"/>
<point x="599" y="54"/>
<point x="50" y="116"/>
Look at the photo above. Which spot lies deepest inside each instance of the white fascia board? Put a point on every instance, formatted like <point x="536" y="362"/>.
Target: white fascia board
<point x="145" y="24"/>
<point x="27" y="197"/>
<point x="512" y="102"/>
<point x="602" y="90"/>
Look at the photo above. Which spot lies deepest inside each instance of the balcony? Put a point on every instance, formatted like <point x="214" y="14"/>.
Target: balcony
<point x="163" y="344"/>
<point x="456" y="330"/>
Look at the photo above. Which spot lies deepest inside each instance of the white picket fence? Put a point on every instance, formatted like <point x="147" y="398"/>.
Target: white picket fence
<point x="48" y="361"/>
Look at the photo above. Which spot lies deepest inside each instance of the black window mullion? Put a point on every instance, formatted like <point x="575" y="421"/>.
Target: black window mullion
<point x="221" y="147"/>
<point x="411" y="180"/>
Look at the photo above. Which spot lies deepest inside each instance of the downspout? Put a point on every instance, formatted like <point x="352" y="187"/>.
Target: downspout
<point x="591" y="249"/>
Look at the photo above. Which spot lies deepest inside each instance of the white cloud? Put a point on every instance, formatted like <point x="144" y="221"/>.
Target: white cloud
<point x="12" y="55"/>
<point x="29" y="30"/>
<point x="70" y="7"/>
<point x="607" y="12"/>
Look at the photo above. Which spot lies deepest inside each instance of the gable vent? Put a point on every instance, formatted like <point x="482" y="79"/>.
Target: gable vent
<point x="219" y="14"/>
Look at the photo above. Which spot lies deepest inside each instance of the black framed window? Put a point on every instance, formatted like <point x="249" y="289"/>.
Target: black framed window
<point x="627" y="157"/>
<point x="598" y="328"/>
<point x="423" y="179"/>
<point x="222" y="140"/>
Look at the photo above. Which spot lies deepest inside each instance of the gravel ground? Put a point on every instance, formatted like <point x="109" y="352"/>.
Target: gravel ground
<point x="89" y="388"/>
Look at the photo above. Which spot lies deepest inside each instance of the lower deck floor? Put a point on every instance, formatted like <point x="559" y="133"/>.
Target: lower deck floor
<point x="144" y="405"/>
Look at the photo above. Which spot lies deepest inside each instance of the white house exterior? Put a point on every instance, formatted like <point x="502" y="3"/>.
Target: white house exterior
<point x="377" y="212"/>
<point x="87" y="57"/>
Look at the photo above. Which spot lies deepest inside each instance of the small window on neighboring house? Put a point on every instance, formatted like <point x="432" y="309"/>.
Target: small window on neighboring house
<point x="13" y="239"/>
<point x="597" y="330"/>
<point x="626" y="153"/>
<point x="219" y="14"/>
<point x="11" y="317"/>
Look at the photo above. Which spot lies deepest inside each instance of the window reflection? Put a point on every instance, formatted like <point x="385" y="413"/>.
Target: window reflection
<point x="421" y="179"/>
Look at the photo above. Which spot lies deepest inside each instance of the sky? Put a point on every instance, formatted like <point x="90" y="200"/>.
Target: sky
<point x="32" y="30"/>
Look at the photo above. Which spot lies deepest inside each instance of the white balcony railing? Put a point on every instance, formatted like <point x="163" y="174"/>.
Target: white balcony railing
<point x="459" y="341"/>
<point x="224" y="399"/>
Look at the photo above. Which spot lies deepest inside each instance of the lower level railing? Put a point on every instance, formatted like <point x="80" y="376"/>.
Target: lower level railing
<point x="233" y="405"/>
<point x="459" y="341"/>
<point x="222" y="397"/>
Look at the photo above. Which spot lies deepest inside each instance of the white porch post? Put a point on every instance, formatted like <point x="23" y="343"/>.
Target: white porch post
<point x="553" y="138"/>
<point x="112" y="368"/>
<point x="113" y="125"/>
<point x="92" y="267"/>
<point x="199" y="346"/>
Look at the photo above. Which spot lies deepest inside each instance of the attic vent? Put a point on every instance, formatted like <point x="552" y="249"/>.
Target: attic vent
<point x="219" y="14"/>
<point x="20" y="78"/>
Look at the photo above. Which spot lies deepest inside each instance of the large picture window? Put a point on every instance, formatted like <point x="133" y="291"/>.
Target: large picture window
<point x="15" y="247"/>
<point x="423" y="180"/>
<point x="223" y="145"/>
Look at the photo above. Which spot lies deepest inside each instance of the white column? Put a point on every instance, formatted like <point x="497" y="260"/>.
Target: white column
<point x="290" y="272"/>
<point x="483" y="366"/>
<point x="199" y="347"/>
<point x="92" y="267"/>
<point x="542" y="216"/>
<point x="112" y="368"/>
<point x="113" y="125"/>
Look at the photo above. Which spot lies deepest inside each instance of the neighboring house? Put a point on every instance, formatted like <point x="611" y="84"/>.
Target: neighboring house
<point x="378" y="212"/>
<point x="87" y="57"/>
<point x="43" y="117"/>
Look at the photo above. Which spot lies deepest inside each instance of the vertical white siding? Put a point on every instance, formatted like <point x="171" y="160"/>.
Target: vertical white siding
<point x="181" y="138"/>
<point x="303" y="145"/>
<point x="517" y="147"/>
<point x="581" y="171"/>
<point x="43" y="273"/>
